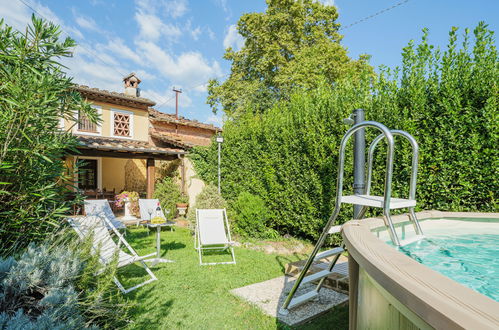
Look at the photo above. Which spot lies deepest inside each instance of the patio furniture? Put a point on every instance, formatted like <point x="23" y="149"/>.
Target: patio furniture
<point x="97" y="226"/>
<point x="147" y="208"/>
<point x="158" y="226"/>
<point x="99" y="207"/>
<point x="213" y="233"/>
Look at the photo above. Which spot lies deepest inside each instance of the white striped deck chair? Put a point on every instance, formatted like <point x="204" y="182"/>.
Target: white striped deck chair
<point x="100" y="207"/>
<point x="107" y="248"/>
<point x="213" y="233"/>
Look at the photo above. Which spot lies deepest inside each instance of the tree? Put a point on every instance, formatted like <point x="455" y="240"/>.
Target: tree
<point x="294" y="44"/>
<point x="34" y="95"/>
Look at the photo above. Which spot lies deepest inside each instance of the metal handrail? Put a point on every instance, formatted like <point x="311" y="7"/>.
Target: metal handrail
<point x="339" y="191"/>
<point x="414" y="171"/>
<point x="415" y="159"/>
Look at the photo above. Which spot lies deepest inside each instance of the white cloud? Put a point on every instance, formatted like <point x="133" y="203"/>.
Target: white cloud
<point x="86" y="23"/>
<point x="216" y="120"/>
<point x="151" y="27"/>
<point x="233" y="38"/>
<point x="186" y="69"/>
<point x="175" y="8"/>
<point x="195" y="33"/>
<point x="211" y="34"/>
<point x="17" y="15"/>
<point x="118" y="47"/>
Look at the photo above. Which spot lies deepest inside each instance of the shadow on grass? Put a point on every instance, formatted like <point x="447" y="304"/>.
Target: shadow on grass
<point x="149" y="311"/>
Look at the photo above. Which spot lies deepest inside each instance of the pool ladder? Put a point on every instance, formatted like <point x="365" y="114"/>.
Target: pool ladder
<point x="386" y="202"/>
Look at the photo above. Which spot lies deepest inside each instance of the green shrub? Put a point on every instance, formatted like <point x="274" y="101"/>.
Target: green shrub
<point x="447" y="99"/>
<point x="251" y="216"/>
<point x="208" y="198"/>
<point x="169" y="194"/>
<point x="55" y="287"/>
<point x="34" y="95"/>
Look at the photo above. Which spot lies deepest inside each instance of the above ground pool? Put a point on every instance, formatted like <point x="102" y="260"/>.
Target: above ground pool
<point x="447" y="280"/>
<point x="463" y="249"/>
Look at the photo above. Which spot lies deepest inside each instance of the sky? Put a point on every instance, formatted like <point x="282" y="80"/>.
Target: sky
<point x="180" y="43"/>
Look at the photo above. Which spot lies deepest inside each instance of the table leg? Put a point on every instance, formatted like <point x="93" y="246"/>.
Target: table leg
<point x="158" y="258"/>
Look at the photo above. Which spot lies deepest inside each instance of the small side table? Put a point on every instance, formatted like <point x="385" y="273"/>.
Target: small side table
<point x="158" y="241"/>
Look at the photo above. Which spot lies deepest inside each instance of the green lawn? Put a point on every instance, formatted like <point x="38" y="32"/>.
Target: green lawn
<point x="187" y="295"/>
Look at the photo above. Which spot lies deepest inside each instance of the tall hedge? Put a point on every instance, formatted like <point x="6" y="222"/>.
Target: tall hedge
<point x="448" y="99"/>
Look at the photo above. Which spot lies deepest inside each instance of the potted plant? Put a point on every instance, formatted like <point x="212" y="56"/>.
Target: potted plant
<point x="182" y="205"/>
<point x="128" y="199"/>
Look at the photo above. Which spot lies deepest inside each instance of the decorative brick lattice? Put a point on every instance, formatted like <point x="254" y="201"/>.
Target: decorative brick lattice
<point x="121" y="124"/>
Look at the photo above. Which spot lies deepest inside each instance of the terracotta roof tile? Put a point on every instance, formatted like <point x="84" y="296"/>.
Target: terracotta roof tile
<point x="121" y="96"/>
<point x="169" y="118"/>
<point x="113" y="144"/>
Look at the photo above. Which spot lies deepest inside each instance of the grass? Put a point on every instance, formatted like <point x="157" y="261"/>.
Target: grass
<point x="191" y="296"/>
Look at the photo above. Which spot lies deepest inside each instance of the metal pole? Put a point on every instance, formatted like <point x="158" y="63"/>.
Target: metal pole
<point x="219" y="173"/>
<point x="359" y="160"/>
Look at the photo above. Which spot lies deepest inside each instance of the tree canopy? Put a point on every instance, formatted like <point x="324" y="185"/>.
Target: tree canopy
<point x="293" y="44"/>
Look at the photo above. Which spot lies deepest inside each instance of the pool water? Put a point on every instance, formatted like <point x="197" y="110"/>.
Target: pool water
<point x="465" y="251"/>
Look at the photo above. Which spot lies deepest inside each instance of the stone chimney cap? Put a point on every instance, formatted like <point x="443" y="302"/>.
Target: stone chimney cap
<point x="132" y="77"/>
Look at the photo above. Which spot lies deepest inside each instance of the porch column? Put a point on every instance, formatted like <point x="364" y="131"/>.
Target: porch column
<point x="151" y="177"/>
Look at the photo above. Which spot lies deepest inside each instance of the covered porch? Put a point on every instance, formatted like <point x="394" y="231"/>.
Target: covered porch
<point x="111" y="166"/>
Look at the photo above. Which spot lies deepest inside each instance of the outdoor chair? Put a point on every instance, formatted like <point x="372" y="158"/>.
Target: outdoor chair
<point x="100" y="207"/>
<point x="104" y="244"/>
<point x="212" y="233"/>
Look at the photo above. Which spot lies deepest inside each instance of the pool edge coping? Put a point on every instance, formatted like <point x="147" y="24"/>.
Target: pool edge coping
<point x="435" y="298"/>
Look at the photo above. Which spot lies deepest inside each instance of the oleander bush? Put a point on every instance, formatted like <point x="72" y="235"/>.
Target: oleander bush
<point x="447" y="98"/>
<point x="35" y="94"/>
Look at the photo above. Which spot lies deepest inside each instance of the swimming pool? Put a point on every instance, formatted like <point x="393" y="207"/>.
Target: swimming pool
<point x="463" y="250"/>
<point x="447" y="281"/>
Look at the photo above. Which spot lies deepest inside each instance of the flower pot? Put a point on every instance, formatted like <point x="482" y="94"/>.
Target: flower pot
<point x="182" y="208"/>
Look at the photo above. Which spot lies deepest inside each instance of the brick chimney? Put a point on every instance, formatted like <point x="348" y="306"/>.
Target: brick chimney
<point x="132" y="85"/>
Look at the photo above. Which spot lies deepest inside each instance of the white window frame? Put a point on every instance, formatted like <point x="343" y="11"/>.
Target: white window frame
<point x="130" y="113"/>
<point x="99" y="125"/>
<point x="99" y="170"/>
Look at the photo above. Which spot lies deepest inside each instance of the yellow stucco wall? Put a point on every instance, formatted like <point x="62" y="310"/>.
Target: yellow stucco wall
<point x="140" y="121"/>
<point x="117" y="173"/>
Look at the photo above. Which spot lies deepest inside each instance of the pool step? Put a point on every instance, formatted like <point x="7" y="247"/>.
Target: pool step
<point x="334" y="229"/>
<point x="303" y="298"/>
<point x="411" y="240"/>
<point x="328" y="253"/>
<point x="378" y="201"/>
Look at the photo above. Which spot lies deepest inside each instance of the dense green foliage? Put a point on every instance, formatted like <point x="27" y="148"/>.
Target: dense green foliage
<point x="208" y="198"/>
<point x="34" y="95"/>
<point x="55" y="287"/>
<point x="251" y="216"/>
<point x="448" y="99"/>
<point x="293" y="44"/>
<point x="169" y="194"/>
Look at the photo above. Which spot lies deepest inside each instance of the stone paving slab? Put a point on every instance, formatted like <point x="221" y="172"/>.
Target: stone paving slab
<point x="270" y="295"/>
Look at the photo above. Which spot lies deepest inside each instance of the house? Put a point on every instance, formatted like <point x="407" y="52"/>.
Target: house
<point x="124" y="149"/>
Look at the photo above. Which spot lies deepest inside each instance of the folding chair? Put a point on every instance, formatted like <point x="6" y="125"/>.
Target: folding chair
<point x="213" y="233"/>
<point x="100" y="207"/>
<point x="107" y="248"/>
